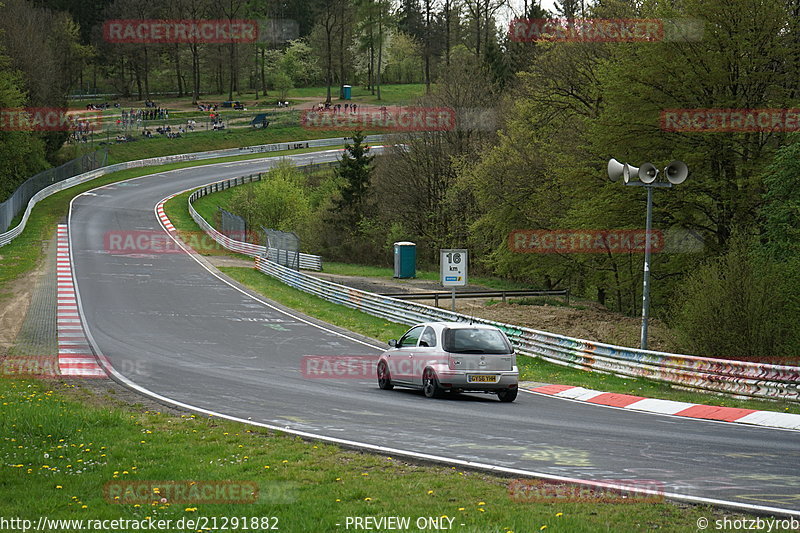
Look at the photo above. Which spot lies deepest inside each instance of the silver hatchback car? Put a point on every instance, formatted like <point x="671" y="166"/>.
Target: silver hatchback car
<point x="451" y="356"/>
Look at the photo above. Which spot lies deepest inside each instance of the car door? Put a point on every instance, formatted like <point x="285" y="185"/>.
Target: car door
<point x="425" y="354"/>
<point x="400" y="359"/>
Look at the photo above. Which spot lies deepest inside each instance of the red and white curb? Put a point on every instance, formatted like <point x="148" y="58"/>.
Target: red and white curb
<point x="163" y="216"/>
<point x="75" y="357"/>
<point x="771" y="419"/>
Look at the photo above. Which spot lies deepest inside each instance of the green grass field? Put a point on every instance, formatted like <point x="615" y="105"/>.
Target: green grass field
<point x="69" y="454"/>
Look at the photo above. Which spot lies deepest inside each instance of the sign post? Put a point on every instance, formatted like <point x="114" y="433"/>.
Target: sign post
<point x="453" y="267"/>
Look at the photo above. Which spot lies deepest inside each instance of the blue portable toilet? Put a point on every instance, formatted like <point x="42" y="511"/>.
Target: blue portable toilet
<point x="346" y="92"/>
<point x="405" y="259"/>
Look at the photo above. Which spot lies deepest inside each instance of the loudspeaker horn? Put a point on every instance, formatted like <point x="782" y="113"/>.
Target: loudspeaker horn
<point x="676" y="172"/>
<point x="648" y="173"/>
<point x="614" y="169"/>
<point x="628" y="172"/>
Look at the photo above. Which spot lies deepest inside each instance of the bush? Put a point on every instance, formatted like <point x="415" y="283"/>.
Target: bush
<point x="278" y="201"/>
<point x="739" y="305"/>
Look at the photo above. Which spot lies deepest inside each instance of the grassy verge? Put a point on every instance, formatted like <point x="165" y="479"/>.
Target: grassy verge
<point x="212" y="140"/>
<point x="64" y="452"/>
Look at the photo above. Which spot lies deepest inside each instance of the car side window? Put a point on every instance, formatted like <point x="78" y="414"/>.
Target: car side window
<point x="410" y="338"/>
<point x="428" y="338"/>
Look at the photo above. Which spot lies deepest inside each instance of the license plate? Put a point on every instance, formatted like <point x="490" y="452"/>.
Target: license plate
<point x="481" y="379"/>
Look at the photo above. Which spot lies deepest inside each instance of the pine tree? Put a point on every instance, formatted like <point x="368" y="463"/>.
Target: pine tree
<point x="354" y="170"/>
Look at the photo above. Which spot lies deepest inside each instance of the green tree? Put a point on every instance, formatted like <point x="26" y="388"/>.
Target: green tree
<point x="21" y="153"/>
<point x="781" y="211"/>
<point x="282" y="83"/>
<point x="300" y="63"/>
<point x="354" y="172"/>
<point x="278" y="201"/>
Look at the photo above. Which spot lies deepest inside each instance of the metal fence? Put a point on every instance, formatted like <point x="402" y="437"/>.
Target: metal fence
<point x="232" y="225"/>
<point x="23" y="194"/>
<point x="282" y="247"/>
<point x="304" y="261"/>
<point x="731" y="377"/>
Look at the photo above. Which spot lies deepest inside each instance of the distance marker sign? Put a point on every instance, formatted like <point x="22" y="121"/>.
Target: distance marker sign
<point x="453" y="264"/>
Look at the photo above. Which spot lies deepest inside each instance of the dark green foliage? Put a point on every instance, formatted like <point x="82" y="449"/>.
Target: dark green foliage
<point x="354" y="170"/>
<point x="739" y="305"/>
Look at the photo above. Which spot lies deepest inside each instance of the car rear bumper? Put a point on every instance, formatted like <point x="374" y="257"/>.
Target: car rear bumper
<point x="463" y="380"/>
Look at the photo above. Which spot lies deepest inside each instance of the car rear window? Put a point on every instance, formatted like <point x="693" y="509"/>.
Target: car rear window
<point x="477" y="340"/>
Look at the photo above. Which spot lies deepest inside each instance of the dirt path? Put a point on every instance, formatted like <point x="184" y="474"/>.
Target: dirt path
<point x="13" y="310"/>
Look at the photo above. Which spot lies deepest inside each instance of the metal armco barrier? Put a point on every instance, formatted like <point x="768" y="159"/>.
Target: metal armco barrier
<point x="307" y="261"/>
<point x="730" y="377"/>
<point x="13" y="233"/>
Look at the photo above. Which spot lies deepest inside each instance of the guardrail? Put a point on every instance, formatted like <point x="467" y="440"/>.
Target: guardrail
<point x="13" y="233"/>
<point x="730" y="377"/>
<point x="476" y="294"/>
<point x="307" y="261"/>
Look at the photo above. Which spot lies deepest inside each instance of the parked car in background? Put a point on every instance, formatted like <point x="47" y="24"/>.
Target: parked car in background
<point x="442" y="357"/>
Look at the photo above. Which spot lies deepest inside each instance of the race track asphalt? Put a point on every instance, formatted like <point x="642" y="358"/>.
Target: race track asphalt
<point x="169" y="325"/>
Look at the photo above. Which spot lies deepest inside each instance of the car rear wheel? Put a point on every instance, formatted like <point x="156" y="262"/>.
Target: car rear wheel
<point x="384" y="381"/>
<point x="430" y="385"/>
<point x="507" y="395"/>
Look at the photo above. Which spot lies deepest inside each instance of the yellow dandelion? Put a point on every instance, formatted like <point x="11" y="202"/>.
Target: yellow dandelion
<point x="59" y="487"/>
<point x="559" y="514"/>
<point x="460" y="508"/>
<point x="430" y="492"/>
<point x="367" y="499"/>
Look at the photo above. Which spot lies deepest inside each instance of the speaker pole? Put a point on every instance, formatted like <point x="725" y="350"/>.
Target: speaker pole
<point x="646" y="286"/>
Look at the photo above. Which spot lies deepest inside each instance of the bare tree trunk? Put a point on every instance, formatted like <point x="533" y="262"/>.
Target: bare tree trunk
<point x="146" y="77"/>
<point x="254" y="77"/>
<point x="380" y="48"/>
<point x="195" y="73"/>
<point x="427" y="46"/>
<point x="178" y="69"/>
<point x="447" y="32"/>
<point x="263" y="72"/>
<point x="341" y="53"/>
<point x="328" y="62"/>
<point x="371" y="69"/>
<point x="232" y="71"/>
